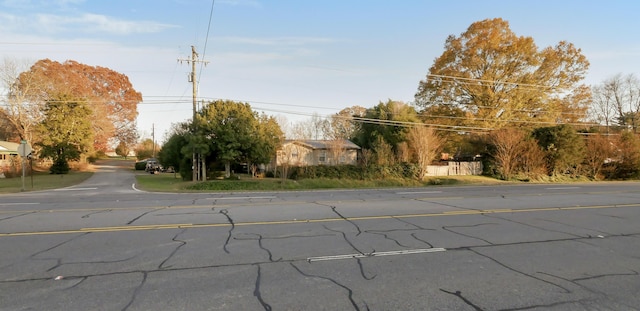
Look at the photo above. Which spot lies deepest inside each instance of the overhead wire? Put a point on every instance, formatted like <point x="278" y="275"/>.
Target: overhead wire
<point x="206" y="40"/>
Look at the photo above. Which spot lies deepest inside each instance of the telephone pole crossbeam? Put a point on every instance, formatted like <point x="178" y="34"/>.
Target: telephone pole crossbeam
<point x="197" y="159"/>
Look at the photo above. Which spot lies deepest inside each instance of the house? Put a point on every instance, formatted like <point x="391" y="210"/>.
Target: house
<point x="317" y="152"/>
<point x="8" y="154"/>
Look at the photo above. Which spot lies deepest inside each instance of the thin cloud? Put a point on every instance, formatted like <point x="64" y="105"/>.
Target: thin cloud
<point x="95" y="23"/>
<point x="279" y="41"/>
<point x="249" y="3"/>
<point x="41" y="4"/>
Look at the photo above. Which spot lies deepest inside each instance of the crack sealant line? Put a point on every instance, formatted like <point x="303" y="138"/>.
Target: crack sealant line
<point x="376" y="254"/>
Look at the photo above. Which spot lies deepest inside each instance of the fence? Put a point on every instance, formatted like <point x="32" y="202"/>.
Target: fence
<point x="455" y="168"/>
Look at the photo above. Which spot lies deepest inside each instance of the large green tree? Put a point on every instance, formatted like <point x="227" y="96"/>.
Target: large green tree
<point x="236" y="134"/>
<point x="390" y="120"/>
<point x="268" y="138"/>
<point x="494" y="78"/>
<point x="66" y="131"/>
<point x="171" y="153"/>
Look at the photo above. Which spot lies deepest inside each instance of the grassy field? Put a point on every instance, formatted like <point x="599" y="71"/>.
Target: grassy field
<point x="168" y="183"/>
<point x="42" y="181"/>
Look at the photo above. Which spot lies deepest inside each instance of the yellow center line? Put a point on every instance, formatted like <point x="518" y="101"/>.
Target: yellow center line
<point x="323" y="220"/>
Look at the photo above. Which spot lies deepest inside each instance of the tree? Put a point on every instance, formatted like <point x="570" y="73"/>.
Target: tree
<point x="532" y="163"/>
<point x="335" y="151"/>
<point x="123" y="149"/>
<point x="383" y="152"/>
<point x="66" y="132"/>
<point x="627" y="156"/>
<point x="507" y="144"/>
<point x="563" y="146"/>
<point x="264" y="147"/>
<point x="112" y="98"/>
<point x="145" y="149"/>
<point x="617" y="100"/>
<point x="22" y="109"/>
<point x="171" y="154"/>
<point x="425" y="146"/>
<point x="236" y="134"/>
<point x="602" y="105"/>
<point x="499" y="79"/>
<point x="315" y="128"/>
<point x="598" y="148"/>
<point x="513" y="151"/>
<point x="345" y="123"/>
<point x="390" y="120"/>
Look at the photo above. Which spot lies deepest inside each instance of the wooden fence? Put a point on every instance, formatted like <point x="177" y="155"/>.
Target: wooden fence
<point x="455" y="168"/>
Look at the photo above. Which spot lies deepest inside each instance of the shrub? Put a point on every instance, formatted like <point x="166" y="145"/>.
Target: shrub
<point x="141" y="166"/>
<point x="60" y="166"/>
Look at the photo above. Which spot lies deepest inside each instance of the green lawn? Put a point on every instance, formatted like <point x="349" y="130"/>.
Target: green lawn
<point x="168" y="183"/>
<point x="42" y="181"/>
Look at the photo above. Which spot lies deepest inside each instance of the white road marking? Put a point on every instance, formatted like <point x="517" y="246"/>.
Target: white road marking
<point x="419" y="192"/>
<point x="76" y="189"/>
<point x="7" y="204"/>
<point x="242" y="198"/>
<point x="391" y="253"/>
<point x="562" y="188"/>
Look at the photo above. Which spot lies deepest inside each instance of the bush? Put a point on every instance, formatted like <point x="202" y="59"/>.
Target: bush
<point x="354" y="172"/>
<point x="141" y="166"/>
<point x="60" y="166"/>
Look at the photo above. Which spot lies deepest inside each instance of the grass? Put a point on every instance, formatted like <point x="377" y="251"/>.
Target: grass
<point x="168" y="183"/>
<point x="42" y="181"/>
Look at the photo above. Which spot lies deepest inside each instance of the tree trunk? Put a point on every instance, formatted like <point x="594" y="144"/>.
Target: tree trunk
<point x="227" y="169"/>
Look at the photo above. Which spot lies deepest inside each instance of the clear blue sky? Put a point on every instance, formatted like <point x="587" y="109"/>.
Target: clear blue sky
<point x="293" y="58"/>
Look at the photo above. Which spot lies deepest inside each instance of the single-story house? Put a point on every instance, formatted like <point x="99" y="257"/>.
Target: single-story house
<point x="7" y="151"/>
<point x="317" y="152"/>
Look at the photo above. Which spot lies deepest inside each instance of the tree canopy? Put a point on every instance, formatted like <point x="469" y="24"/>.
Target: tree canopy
<point x="110" y="96"/>
<point x="617" y="101"/>
<point x="230" y="132"/>
<point x="66" y="131"/>
<point x="496" y="79"/>
<point x="386" y="120"/>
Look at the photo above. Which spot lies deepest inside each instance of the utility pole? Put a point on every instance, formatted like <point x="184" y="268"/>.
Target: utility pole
<point x="192" y="78"/>
<point x="153" y="137"/>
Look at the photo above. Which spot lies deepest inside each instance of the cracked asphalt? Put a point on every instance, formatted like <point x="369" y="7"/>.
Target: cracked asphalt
<point x="102" y="245"/>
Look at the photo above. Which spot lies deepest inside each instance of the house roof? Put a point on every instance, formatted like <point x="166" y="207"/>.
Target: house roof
<point x="324" y="144"/>
<point x="8" y="147"/>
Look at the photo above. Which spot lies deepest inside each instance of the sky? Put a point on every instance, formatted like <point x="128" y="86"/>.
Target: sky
<point x="292" y="58"/>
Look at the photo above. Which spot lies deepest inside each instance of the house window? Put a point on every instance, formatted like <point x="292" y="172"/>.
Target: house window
<point x="323" y="157"/>
<point x="294" y="154"/>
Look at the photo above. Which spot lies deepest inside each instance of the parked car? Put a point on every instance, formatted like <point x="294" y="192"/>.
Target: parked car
<point x="153" y="166"/>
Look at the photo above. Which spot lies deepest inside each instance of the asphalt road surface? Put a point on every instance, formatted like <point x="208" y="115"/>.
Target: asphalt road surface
<point x="103" y="245"/>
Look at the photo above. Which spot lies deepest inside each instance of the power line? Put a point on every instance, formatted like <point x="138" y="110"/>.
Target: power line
<point x="492" y="82"/>
<point x="206" y="39"/>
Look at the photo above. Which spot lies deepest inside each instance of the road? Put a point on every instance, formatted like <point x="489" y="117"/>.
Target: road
<point x="103" y="245"/>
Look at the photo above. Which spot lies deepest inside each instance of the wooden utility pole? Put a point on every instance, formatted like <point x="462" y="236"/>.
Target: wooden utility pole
<point x="197" y="166"/>
<point x="153" y="137"/>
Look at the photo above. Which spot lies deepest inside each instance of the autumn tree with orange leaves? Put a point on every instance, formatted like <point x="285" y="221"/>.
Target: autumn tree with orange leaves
<point x="110" y="96"/>
<point x="490" y="78"/>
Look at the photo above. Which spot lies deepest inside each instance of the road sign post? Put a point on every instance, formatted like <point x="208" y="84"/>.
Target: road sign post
<point x="24" y="150"/>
